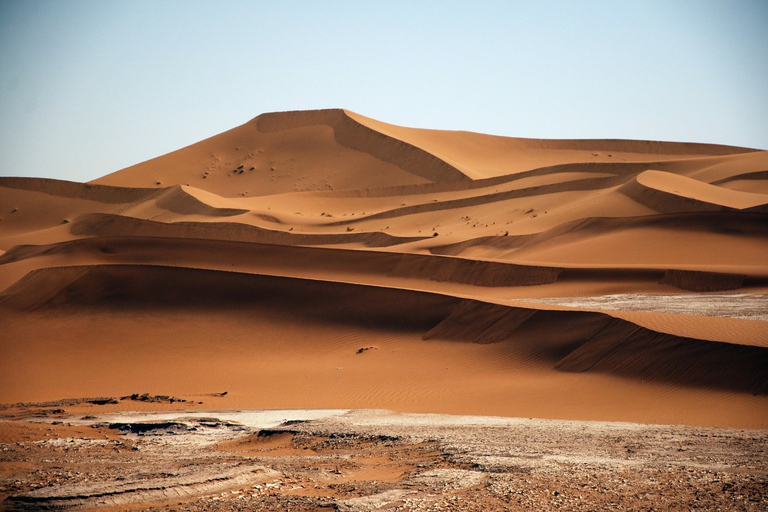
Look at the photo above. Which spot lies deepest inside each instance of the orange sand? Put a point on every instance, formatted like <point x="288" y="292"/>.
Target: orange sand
<point x="260" y="260"/>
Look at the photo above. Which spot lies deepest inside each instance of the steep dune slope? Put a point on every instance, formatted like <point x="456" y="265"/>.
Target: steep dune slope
<point x="669" y="193"/>
<point x="484" y="156"/>
<point x="291" y="151"/>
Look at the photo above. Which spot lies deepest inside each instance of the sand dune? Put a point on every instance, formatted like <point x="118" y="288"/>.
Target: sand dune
<point x="191" y="201"/>
<point x="325" y="259"/>
<point x="669" y="193"/>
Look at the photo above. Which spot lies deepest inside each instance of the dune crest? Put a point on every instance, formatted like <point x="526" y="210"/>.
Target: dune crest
<point x="191" y="201"/>
<point x="667" y="192"/>
<point x="326" y="259"/>
<point x="351" y="133"/>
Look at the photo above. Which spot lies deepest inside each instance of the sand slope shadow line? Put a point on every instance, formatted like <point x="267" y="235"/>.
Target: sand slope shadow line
<point x="479" y="322"/>
<point x="670" y="193"/>
<point x="171" y="245"/>
<point x="40" y="287"/>
<point x="479" y="273"/>
<point x="354" y="135"/>
<point x="628" y="350"/>
<point x="610" y="169"/>
<point x="107" y="225"/>
<point x="148" y="246"/>
<point x="753" y="175"/>
<point x="125" y="287"/>
<point x="577" y="341"/>
<point x="493" y="197"/>
<point x="573" y="341"/>
<point x="698" y="281"/>
<point x="430" y="138"/>
<point x="86" y="191"/>
<point x="178" y="199"/>
<point x="255" y="258"/>
<point x="726" y="222"/>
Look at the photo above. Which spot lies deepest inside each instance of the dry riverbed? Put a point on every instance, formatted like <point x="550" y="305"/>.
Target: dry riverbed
<point x="363" y="460"/>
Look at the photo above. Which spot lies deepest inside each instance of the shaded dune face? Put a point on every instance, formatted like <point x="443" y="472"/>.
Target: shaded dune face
<point x="267" y="256"/>
<point x="134" y="287"/>
<point x="581" y="342"/>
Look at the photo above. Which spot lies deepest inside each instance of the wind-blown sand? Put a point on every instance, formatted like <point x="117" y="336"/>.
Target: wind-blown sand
<point x="262" y="260"/>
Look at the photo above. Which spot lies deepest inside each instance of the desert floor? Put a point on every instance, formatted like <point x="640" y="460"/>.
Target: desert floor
<point x="364" y="460"/>
<point x="323" y="260"/>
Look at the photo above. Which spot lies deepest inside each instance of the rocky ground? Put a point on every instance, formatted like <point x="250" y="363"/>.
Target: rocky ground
<point x="363" y="460"/>
<point x="747" y="306"/>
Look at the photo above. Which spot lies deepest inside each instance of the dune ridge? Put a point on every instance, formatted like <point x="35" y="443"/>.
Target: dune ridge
<point x="256" y="252"/>
<point x="592" y="341"/>
<point x="326" y="259"/>
<point x="350" y="133"/>
<point x="71" y="189"/>
<point x="669" y="193"/>
<point x="745" y="225"/>
<point x="189" y="201"/>
<point x="100" y="224"/>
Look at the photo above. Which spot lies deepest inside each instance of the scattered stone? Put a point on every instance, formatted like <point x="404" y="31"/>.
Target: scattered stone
<point x="102" y="401"/>
<point x="412" y="462"/>
<point x="146" y="397"/>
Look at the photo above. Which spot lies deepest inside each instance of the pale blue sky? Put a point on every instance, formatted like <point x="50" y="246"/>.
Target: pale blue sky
<point x="89" y="87"/>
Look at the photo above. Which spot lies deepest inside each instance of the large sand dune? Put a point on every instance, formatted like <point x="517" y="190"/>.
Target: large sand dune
<point x="325" y="259"/>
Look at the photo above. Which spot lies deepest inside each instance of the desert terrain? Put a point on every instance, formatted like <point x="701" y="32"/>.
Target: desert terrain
<point x="322" y="260"/>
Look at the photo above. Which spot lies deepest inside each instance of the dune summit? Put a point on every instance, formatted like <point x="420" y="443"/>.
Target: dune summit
<point x="323" y="259"/>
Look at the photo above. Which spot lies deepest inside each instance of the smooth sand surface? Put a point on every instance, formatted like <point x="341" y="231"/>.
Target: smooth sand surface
<point x="323" y="259"/>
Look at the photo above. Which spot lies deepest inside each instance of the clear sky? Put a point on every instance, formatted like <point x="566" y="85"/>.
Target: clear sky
<point x="89" y="87"/>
